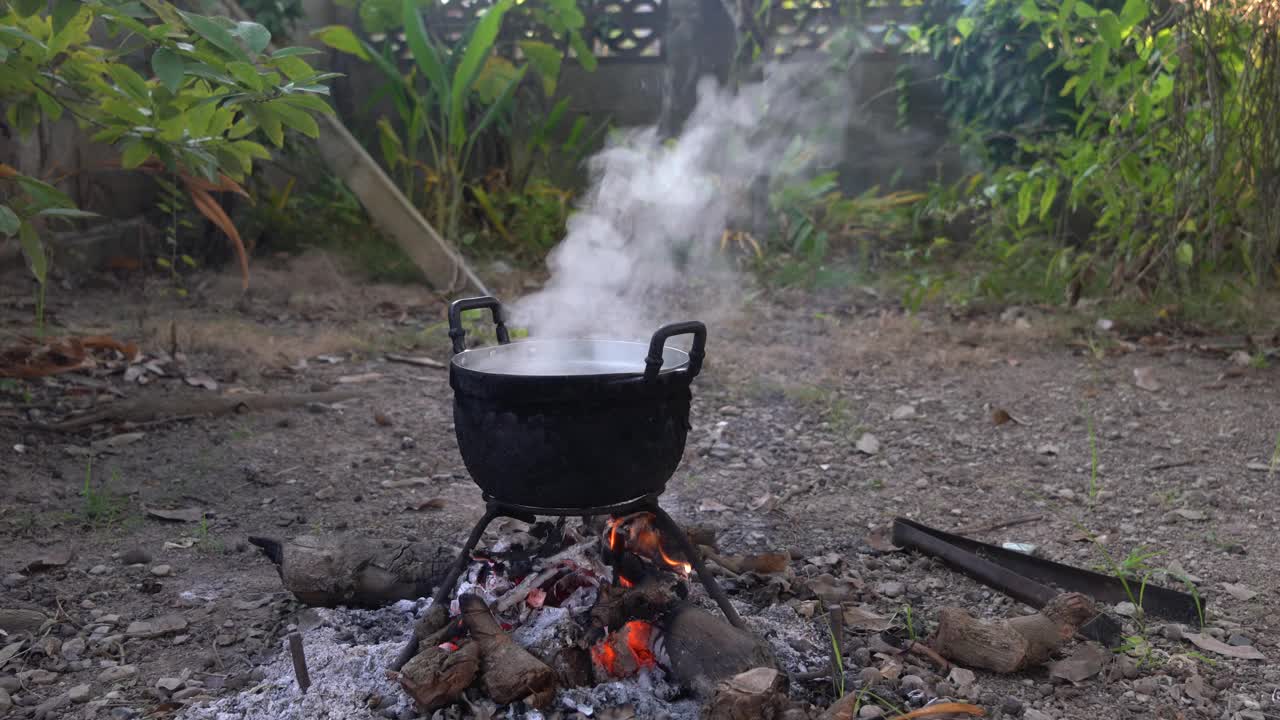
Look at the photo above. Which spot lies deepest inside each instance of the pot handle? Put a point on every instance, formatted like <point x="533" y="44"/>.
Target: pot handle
<point x="458" y="334"/>
<point x="653" y="363"/>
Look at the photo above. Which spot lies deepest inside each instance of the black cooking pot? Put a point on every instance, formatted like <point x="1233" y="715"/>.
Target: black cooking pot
<point x="571" y="424"/>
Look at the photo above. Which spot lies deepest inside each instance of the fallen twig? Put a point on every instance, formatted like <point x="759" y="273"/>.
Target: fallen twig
<point x="419" y="361"/>
<point x="917" y="648"/>
<point x="163" y="409"/>
<point x="517" y="594"/>
<point x="1171" y="465"/>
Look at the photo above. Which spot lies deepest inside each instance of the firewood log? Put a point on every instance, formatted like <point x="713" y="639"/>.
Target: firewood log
<point x="437" y="677"/>
<point x="1007" y="646"/>
<point x="355" y="572"/>
<point x="705" y="649"/>
<point x="508" y="672"/>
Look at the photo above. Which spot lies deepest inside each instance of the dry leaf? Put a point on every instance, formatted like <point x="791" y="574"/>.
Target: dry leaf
<point x="766" y="563"/>
<point x="201" y="381"/>
<point x="179" y="515"/>
<point x="182" y="543"/>
<point x="1088" y="660"/>
<point x="1196" y="515"/>
<point x="8" y="651"/>
<point x="382" y="419"/>
<point x="1000" y="416"/>
<point x="1145" y="378"/>
<point x="943" y="709"/>
<point x="1213" y="645"/>
<point x="432" y="504"/>
<point x="1240" y="592"/>
<point x="860" y="618"/>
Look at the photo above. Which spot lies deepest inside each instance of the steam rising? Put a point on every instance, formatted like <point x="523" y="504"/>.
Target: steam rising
<point x="648" y="231"/>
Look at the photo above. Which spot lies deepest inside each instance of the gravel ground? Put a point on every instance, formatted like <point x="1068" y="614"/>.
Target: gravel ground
<point x="817" y="420"/>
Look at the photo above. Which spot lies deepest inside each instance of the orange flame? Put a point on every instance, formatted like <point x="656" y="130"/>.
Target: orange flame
<point x="642" y="538"/>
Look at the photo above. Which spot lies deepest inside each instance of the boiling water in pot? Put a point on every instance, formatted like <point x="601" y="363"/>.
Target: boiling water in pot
<point x="566" y="357"/>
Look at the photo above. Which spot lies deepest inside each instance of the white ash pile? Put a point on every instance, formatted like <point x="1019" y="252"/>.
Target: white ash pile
<point x="551" y="621"/>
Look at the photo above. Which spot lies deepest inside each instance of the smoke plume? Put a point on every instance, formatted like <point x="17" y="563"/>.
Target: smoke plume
<point x="648" y="231"/>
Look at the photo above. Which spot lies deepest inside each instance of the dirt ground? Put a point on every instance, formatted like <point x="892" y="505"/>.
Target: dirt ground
<point x="816" y="420"/>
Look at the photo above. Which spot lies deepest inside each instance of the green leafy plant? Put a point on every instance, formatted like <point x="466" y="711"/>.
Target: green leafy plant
<point x="212" y="88"/>
<point x="456" y="92"/>
<point x="29" y="202"/>
<point x="1125" y="143"/>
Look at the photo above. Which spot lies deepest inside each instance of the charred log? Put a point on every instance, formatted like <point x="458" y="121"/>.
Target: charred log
<point x="508" y="672"/>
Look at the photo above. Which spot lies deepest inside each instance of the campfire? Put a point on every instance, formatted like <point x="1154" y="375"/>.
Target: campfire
<point x="566" y="607"/>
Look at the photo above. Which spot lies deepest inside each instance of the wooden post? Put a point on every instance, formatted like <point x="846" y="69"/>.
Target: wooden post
<point x="299" y="661"/>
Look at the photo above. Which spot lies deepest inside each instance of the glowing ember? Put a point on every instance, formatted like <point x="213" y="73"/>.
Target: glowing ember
<point x="635" y="637"/>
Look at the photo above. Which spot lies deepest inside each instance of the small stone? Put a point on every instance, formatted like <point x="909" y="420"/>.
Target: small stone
<point x="1223" y="682"/>
<point x="136" y="556"/>
<point x="1172" y="632"/>
<point x="161" y="570"/>
<point x="870" y="711"/>
<point x="47" y="708"/>
<point x="862" y="656"/>
<point x="187" y="693"/>
<point x="912" y="682"/>
<point x="81" y="693"/>
<point x="6" y="702"/>
<point x="962" y="677"/>
<point x="124" y="713"/>
<point x="38" y="677"/>
<point x="868" y="444"/>
<point x="170" y="684"/>
<point x="73" y="649"/>
<point x="1146" y="686"/>
<point x="904" y="412"/>
<point x="1239" y="640"/>
<point x="117" y="673"/>
<point x="1033" y="714"/>
<point x="13" y="580"/>
<point x="1011" y="706"/>
<point x="869" y="676"/>
<point x="891" y="589"/>
<point x="326" y="492"/>
<point x="945" y="689"/>
<point x="99" y="570"/>
<point x="9" y="683"/>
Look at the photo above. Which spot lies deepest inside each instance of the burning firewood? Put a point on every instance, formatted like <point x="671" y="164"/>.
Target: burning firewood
<point x="355" y="572"/>
<point x="508" y="672"/>
<point x="704" y="650"/>
<point x="758" y="694"/>
<point x="1007" y="646"/>
<point x="437" y="676"/>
